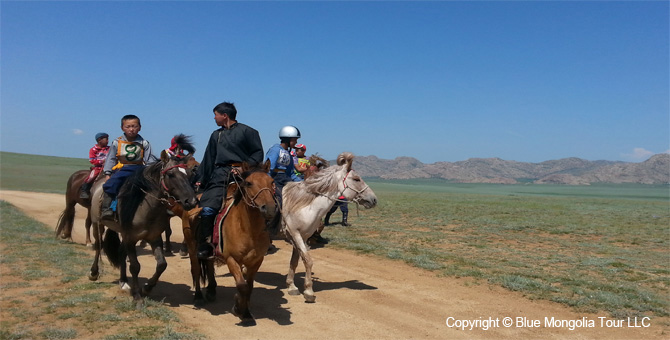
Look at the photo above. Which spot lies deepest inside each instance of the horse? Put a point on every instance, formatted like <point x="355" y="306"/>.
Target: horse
<point x="245" y="235"/>
<point x="143" y="215"/>
<point x="306" y="203"/>
<point x="72" y="193"/>
<point x="72" y="198"/>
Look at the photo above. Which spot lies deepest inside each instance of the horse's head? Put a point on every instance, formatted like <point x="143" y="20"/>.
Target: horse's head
<point x="352" y="185"/>
<point x="176" y="179"/>
<point x="258" y="189"/>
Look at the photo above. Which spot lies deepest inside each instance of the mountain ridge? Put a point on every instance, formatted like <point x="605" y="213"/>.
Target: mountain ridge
<point x="571" y="171"/>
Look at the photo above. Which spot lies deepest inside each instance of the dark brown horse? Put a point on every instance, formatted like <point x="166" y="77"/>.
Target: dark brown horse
<point x="66" y="219"/>
<point x="200" y="270"/>
<point x="143" y="215"/>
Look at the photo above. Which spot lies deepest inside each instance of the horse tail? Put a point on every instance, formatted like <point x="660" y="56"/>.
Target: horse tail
<point x="112" y="245"/>
<point x="66" y="218"/>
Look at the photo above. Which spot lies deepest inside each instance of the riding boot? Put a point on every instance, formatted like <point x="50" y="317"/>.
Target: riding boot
<point x="85" y="188"/>
<point x="344" y="219"/>
<point x="327" y="220"/>
<point x="205" y="234"/>
<point x="106" y="212"/>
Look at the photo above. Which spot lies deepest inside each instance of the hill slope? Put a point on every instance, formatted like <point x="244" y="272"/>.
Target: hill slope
<point x="574" y="171"/>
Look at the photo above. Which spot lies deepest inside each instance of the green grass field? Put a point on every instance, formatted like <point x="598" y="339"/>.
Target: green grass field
<point x="595" y="248"/>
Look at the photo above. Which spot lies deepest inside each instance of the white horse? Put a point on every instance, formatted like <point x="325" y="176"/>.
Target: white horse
<point x="306" y="203"/>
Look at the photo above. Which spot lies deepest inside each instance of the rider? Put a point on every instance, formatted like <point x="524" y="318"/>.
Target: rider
<point x="227" y="148"/>
<point x="300" y="162"/>
<point x="96" y="155"/>
<point x="281" y="162"/>
<point x="127" y="154"/>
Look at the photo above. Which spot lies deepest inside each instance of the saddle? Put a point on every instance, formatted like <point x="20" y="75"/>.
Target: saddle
<point x="217" y="237"/>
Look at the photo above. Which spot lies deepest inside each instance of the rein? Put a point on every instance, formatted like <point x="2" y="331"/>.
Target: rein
<point x="355" y="200"/>
<point x="251" y="201"/>
<point x="166" y="190"/>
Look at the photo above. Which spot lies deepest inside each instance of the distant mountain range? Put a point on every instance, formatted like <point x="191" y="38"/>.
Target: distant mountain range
<point x="572" y="171"/>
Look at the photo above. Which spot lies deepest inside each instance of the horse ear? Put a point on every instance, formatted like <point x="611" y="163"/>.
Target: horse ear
<point x="267" y="165"/>
<point x="164" y="157"/>
<point x="245" y="166"/>
<point x="346" y="159"/>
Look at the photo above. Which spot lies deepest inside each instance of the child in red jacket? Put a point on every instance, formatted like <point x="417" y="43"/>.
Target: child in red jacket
<point x="96" y="156"/>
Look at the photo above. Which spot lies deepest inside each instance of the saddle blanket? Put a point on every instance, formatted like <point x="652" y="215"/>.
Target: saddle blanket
<point x="217" y="238"/>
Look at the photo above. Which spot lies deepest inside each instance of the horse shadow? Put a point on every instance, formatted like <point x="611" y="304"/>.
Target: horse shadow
<point x="267" y="302"/>
<point x="321" y="285"/>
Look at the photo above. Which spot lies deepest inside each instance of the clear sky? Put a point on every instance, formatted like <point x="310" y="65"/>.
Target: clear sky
<point x="439" y="81"/>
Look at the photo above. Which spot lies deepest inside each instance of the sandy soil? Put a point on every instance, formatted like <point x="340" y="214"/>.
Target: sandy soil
<point x="358" y="296"/>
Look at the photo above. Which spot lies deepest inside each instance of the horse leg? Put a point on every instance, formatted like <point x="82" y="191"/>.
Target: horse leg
<point x="123" y="275"/>
<point x="308" y="293"/>
<point x="161" y="264"/>
<point x="292" y="288"/>
<point x="167" y="246"/>
<point x="211" y="281"/>
<point x="87" y="225"/>
<point x="241" y="307"/>
<point x="184" y="249"/>
<point x="134" y="271"/>
<point x="95" y="273"/>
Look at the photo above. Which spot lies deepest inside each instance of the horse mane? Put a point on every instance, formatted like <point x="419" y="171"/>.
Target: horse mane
<point x="297" y="195"/>
<point x="134" y="190"/>
<point x="318" y="161"/>
<point x="184" y="142"/>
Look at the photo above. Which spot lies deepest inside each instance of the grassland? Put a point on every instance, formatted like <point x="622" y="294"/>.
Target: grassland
<point x="43" y="289"/>
<point x="594" y="248"/>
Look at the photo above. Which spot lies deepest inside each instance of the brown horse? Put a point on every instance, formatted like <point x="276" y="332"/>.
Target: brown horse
<point x="143" y="215"/>
<point x="66" y="219"/>
<point x="245" y="234"/>
<point x="200" y="270"/>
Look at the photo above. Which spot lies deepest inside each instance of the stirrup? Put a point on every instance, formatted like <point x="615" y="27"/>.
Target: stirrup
<point x="206" y="254"/>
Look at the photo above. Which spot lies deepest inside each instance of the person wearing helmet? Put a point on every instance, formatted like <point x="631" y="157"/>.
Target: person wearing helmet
<point x="227" y="148"/>
<point x="281" y="161"/>
<point x="96" y="155"/>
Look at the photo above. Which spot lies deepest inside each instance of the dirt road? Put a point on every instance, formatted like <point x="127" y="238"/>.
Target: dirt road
<point x="358" y="297"/>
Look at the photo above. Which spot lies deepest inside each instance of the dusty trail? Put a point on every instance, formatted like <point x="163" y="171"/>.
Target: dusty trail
<point x="358" y="297"/>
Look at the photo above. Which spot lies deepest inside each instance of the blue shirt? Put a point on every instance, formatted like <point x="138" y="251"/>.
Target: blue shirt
<point x="281" y="159"/>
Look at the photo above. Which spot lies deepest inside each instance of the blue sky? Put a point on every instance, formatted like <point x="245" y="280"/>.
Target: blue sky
<point x="439" y="81"/>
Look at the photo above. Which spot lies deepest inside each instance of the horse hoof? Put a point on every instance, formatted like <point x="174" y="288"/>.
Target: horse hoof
<point x="93" y="277"/>
<point x="124" y="286"/>
<point x="183" y="253"/>
<point x="293" y="291"/>
<point x="310" y="298"/>
<point x="89" y="245"/>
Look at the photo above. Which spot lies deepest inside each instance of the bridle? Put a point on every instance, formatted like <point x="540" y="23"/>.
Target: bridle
<point x="358" y="192"/>
<point x="251" y="201"/>
<point x="169" y="200"/>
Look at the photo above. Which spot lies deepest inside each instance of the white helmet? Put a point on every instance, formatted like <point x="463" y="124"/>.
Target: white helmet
<point x="289" y="131"/>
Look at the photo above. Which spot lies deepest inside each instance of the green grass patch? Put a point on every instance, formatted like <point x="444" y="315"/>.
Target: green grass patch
<point x="60" y="293"/>
<point x="594" y="248"/>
